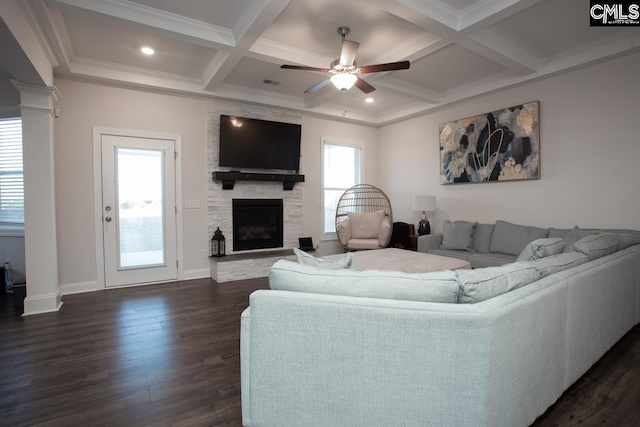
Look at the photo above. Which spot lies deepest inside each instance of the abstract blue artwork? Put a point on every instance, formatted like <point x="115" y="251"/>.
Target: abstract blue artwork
<point x="503" y="145"/>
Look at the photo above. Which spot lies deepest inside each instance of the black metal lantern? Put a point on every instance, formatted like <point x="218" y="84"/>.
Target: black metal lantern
<point x="217" y="243"/>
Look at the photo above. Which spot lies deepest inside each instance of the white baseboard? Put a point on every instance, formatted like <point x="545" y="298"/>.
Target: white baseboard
<point x="42" y="303"/>
<point x="78" y="288"/>
<point x="199" y="273"/>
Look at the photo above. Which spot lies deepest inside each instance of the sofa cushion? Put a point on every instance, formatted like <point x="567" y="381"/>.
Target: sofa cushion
<point x="365" y="225"/>
<point x="508" y="238"/>
<point x="480" y="260"/>
<point x="576" y="234"/>
<point x="482" y="237"/>
<point x="555" y="263"/>
<point x="541" y="248"/>
<point x="485" y="283"/>
<point x="597" y="245"/>
<point x="458" y="235"/>
<point x="325" y="264"/>
<point x="439" y="286"/>
<point x="451" y="253"/>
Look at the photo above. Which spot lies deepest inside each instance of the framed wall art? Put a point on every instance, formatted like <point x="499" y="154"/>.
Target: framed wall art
<point x="502" y="145"/>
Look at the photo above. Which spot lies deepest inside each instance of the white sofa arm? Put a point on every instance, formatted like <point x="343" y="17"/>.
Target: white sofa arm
<point x="429" y="242"/>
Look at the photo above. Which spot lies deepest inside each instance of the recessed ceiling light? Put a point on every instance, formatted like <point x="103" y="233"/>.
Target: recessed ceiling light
<point x="368" y="100"/>
<point x="147" y="50"/>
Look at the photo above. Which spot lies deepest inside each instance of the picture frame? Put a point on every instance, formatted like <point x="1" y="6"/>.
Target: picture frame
<point x="503" y="145"/>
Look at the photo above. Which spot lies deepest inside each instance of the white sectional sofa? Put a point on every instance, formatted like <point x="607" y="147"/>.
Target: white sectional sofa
<point x="518" y="336"/>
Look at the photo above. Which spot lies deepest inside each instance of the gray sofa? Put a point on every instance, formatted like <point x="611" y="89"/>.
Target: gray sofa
<point x="487" y="245"/>
<point x="497" y="349"/>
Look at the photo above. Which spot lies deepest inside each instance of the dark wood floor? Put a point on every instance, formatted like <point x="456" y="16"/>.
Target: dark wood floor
<point x="169" y="355"/>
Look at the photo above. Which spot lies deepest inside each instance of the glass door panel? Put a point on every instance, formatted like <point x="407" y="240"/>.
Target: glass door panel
<point x="141" y="238"/>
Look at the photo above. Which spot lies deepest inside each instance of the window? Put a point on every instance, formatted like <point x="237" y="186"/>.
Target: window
<point x="11" y="177"/>
<point x="342" y="165"/>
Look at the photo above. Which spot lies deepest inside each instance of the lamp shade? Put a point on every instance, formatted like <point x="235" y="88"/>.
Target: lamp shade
<point x="343" y="81"/>
<point x="424" y="203"/>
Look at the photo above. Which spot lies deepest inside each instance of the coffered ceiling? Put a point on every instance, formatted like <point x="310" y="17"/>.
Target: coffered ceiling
<point x="233" y="49"/>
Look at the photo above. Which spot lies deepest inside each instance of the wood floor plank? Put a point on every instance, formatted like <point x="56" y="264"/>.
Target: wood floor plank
<point x="168" y="354"/>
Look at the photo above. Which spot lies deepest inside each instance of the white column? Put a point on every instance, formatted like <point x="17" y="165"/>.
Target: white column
<point x="41" y="252"/>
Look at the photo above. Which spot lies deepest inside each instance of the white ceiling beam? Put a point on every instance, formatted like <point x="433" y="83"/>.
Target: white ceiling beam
<point x="488" y="12"/>
<point x="52" y="24"/>
<point x="410" y="90"/>
<point x="256" y="19"/>
<point x="448" y="27"/>
<point x="183" y="28"/>
<point x="278" y="53"/>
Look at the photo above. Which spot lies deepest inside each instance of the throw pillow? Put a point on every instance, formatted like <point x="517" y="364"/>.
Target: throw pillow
<point x="576" y="234"/>
<point x="555" y="263"/>
<point x="438" y="286"/>
<point x="343" y="230"/>
<point x="481" y="284"/>
<point x="597" y="245"/>
<point x="458" y="235"/>
<point x="511" y="239"/>
<point x="541" y="248"/>
<point x="482" y="238"/>
<point x="626" y="240"/>
<point x="365" y="225"/>
<point x="385" y="232"/>
<point x="325" y="264"/>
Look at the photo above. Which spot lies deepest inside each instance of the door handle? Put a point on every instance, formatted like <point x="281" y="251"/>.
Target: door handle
<point x="108" y="219"/>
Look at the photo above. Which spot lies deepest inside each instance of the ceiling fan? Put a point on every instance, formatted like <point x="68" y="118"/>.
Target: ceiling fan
<point x="345" y="70"/>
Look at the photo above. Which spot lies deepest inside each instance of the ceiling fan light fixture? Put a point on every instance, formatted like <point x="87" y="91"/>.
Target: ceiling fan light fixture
<point x="344" y="81"/>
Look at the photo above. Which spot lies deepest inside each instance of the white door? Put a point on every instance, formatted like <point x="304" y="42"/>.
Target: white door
<point x="138" y="210"/>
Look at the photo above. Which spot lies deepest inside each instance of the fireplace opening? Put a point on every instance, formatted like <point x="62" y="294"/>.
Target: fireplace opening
<point x="257" y="224"/>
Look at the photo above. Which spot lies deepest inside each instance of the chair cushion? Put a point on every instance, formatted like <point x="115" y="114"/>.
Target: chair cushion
<point x="541" y="248"/>
<point x="458" y="235"/>
<point x="324" y="264"/>
<point x="439" y="286"/>
<point x="508" y="238"/>
<point x="365" y="225"/>
<point x="363" y="244"/>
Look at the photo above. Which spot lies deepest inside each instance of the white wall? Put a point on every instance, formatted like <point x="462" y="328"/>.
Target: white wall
<point x="589" y="145"/>
<point x="85" y="105"/>
<point x="313" y="129"/>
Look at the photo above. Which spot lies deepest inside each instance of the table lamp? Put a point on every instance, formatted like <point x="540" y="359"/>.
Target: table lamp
<point x="424" y="204"/>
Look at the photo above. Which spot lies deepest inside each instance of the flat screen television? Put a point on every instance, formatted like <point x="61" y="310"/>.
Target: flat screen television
<point x="259" y="144"/>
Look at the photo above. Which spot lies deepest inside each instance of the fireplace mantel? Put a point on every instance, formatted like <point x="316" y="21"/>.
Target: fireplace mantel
<point x="229" y="178"/>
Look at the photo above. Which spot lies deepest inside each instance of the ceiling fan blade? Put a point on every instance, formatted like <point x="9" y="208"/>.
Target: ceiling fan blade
<point x="364" y="86"/>
<point x="317" y="86"/>
<point x="392" y="66"/>
<point x="348" y="53"/>
<point x="302" y="67"/>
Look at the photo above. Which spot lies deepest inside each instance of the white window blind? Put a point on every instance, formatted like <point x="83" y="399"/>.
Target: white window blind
<point x="11" y="175"/>
<point x="342" y="170"/>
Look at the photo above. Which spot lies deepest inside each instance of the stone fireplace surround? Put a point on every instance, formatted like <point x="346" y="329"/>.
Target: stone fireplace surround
<point x="253" y="263"/>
